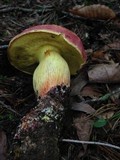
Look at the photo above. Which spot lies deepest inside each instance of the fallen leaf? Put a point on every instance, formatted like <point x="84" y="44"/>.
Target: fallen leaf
<point x="90" y="91"/>
<point x="78" y="83"/>
<point x="95" y="11"/>
<point x="83" y="126"/>
<point x="83" y="107"/>
<point x="101" y="122"/>
<point x="98" y="54"/>
<point x="107" y="115"/>
<point x="3" y="145"/>
<point x="112" y="46"/>
<point x="105" y="73"/>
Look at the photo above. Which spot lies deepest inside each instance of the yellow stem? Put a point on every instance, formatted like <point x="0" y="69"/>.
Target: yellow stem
<point x="52" y="70"/>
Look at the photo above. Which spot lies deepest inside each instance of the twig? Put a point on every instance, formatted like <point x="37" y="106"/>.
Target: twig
<point x="4" y="6"/>
<point x="4" y="46"/>
<point x="105" y="97"/>
<point x="16" y="23"/>
<point x="91" y="142"/>
<point x="8" y="107"/>
<point x="5" y="95"/>
<point x="10" y="9"/>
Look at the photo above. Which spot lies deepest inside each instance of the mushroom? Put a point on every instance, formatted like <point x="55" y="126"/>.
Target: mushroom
<point x="50" y="52"/>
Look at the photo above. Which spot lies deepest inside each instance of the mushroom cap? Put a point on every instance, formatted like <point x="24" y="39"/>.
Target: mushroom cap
<point x="24" y="48"/>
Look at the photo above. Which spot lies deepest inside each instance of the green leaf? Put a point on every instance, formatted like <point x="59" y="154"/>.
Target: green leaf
<point x="100" y="123"/>
<point x="10" y="117"/>
<point x="116" y="116"/>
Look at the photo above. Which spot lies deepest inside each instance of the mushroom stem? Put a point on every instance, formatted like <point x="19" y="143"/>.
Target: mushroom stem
<point x="55" y="48"/>
<point x="52" y="71"/>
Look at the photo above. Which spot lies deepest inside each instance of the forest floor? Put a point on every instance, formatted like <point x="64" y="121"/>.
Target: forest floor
<point x="95" y="90"/>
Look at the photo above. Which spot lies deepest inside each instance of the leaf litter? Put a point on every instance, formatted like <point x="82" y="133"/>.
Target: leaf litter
<point x="105" y="73"/>
<point x="3" y="145"/>
<point x="95" y="11"/>
<point x="93" y="96"/>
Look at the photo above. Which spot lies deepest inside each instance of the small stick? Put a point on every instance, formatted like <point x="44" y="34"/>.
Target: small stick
<point x="105" y="97"/>
<point x="91" y="142"/>
<point x="4" y="46"/>
<point x="10" y="9"/>
<point x="9" y="108"/>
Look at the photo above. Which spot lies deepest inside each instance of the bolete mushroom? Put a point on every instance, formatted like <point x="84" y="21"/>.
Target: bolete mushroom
<point x="50" y="52"/>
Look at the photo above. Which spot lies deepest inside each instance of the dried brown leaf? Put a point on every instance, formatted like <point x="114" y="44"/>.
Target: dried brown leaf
<point x="83" y="127"/>
<point x="112" y="46"/>
<point x="90" y="91"/>
<point x="105" y="73"/>
<point x="95" y="11"/>
<point x="107" y="115"/>
<point x="83" y="107"/>
<point x="78" y="83"/>
<point x="3" y="145"/>
<point x="98" y="54"/>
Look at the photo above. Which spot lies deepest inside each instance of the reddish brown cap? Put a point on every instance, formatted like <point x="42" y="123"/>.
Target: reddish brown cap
<point x="24" y="48"/>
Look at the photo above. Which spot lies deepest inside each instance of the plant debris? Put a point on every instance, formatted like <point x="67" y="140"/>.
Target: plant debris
<point x="3" y="145"/>
<point x="95" y="11"/>
<point x="105" y="73"/>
